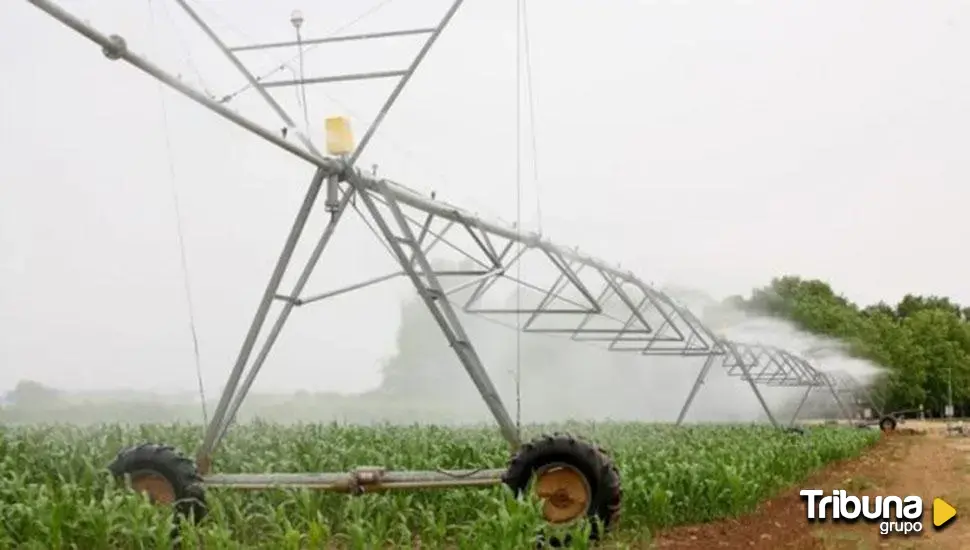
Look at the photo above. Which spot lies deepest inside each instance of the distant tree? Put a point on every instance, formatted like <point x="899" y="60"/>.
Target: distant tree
<point x="924" y="341"/>
<point x="30" y="393"/>
<point x="910" y="305"/>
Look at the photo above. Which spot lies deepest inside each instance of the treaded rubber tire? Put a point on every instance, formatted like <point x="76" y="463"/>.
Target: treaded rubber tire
<point x="179" y="471"/>
<point x="591" y="461"/>
<point x="797" y="430"/>
<point x="887" y="424"/>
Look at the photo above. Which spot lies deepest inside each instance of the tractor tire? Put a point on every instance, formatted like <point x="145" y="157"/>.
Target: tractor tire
<point x="797" y="430"/>
<point x="887" y="424"/>
<point x="574" y="478"/>
<point x="165" y="475"/>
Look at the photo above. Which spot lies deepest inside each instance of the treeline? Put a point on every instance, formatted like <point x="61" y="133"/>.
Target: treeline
<point x="32" y="402"/>
<point x="923" y="341"/>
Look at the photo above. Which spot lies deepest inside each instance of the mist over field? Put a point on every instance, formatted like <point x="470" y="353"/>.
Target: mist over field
<point x="700" y="150"/>
<point x="561" y="379"/>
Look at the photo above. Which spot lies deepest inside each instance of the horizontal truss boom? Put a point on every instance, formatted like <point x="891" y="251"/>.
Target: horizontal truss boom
<point x="588" y="300"/>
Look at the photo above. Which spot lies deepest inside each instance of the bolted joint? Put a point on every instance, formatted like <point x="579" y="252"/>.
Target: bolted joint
<point x="116" y="49"/>
<point x="332" y="202"/>
<point x="363" y="477"/>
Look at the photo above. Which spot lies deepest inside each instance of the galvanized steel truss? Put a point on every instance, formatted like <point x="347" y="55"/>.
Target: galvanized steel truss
<point x="588" y="300"/>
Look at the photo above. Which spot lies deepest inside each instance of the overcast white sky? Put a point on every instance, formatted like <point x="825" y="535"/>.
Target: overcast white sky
<point x="709" y="144"/>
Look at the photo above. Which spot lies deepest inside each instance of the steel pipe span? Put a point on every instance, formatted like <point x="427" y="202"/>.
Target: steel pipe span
<point x="642" y="319"/>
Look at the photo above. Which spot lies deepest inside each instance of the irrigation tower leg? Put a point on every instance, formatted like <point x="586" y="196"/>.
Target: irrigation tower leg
<point x="835" y="394"/>
<point x="870" y="396"/>
<point x="435" y="299"/>
<point x="289" y="303"/>
<point x="801" y="405"/>
<point x="754" y="387"/>
<point x="708" y="362"/>
<point x="215" y="424"/>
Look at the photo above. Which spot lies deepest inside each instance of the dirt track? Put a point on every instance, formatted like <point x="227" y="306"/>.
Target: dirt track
<point x="930" y="465"/>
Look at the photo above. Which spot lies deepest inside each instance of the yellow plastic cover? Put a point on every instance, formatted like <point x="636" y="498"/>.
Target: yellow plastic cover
<point x="340" y="140"/>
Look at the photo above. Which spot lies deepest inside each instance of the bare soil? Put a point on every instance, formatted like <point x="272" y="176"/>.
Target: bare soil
<point x="919" y="459"/>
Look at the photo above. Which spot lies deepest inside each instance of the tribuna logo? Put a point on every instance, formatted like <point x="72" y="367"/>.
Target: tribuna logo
<point x="894" y="514"/>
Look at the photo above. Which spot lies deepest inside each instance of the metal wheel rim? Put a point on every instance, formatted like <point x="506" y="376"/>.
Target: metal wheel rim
<point x="565" y="492"/>
<point x="153" y="484"/>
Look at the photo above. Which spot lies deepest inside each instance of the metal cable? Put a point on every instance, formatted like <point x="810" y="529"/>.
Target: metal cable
<point x="302" y="96"/>
<point x="179" y="231"/>
<point x="560" y="337"/>
<point x="530" y="95"/>
<point x="409" y="154"/>
<point x="459" y="476"/>
<point x="285" y="64"/>
<point x="182" y="42"/>
<point x="377" y="234"/>
<point x="518" y="214"/>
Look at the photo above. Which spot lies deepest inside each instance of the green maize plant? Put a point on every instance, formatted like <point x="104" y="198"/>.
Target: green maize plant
<point x="56" y="494"/>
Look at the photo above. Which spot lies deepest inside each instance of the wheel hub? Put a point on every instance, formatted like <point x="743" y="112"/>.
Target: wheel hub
<point x="153" y="484"/>
<point x="565" y="492"/>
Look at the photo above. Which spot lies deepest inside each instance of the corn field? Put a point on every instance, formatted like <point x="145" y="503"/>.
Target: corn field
<point x="55" y="492"/>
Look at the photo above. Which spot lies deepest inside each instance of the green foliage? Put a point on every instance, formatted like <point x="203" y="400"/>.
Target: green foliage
<point x="56" y="495"/>
<point x="922" y="341"/>
<point x="32" y="394"/>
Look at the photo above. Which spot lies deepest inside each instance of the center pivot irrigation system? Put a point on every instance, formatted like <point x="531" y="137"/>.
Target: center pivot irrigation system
<point x="772" y="367"/>
<point x="589" y="301"/>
